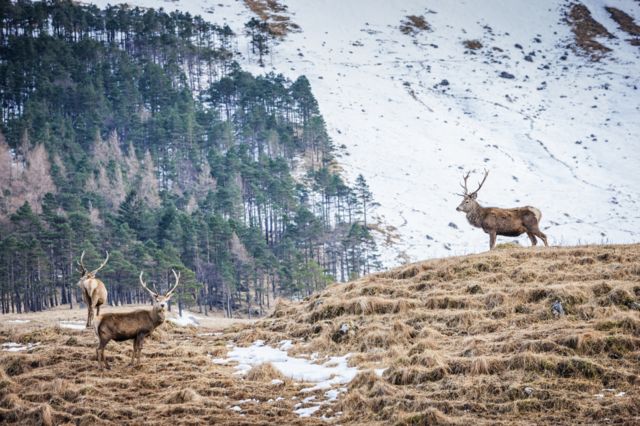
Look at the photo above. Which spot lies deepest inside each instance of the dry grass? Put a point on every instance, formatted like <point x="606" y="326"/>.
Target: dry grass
<point x="58" y="382"/>
<point x="586" y="31"/>
<point x="626" y="24"/>
<point x="473" y="339"/>
<point x="462" y="340"/>
<point x="274" y="14"/>
<point x="472" y="44"/>
<point x="413" y="24"/>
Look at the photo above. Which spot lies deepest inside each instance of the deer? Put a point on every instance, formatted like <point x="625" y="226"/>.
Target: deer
<point x="497" y="221"/>
<point x="135" y="325"/>
<point x="94" y="292"/>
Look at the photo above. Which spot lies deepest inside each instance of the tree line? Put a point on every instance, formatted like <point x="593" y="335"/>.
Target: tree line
<point x="134" y="131"/>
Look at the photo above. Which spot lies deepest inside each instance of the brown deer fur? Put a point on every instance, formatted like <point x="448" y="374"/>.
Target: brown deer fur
<point x="94" y="292"/>
<point x="497" y="221"/>
<point x="135" y="325"/>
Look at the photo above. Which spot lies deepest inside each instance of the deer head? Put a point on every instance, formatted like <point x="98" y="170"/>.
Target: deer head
<point x="469" y="198"/>
<point x="83" y="270"/>
<point x="160" y="301"/>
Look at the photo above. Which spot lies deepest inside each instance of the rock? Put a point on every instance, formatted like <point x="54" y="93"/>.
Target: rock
<point x="557" y="309"/>
<point x="505" y="74"/>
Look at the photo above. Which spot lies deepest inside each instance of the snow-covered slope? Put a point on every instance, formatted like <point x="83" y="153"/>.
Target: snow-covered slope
<point x="415" y="110"/>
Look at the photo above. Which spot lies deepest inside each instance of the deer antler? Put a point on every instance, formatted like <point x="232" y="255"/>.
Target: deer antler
<point x="145" y="286"/>
<point x="81" y="267"/>
<point x="486" y="173"/>
<point x="170" y="292"/>
<point x="103" y="263"/>
<point x="464" y="187"/>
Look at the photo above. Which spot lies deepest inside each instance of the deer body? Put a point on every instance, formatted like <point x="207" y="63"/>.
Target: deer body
<point x="135" y="325"/>
<point x="497" y="221"/>
<point x="94" y="292"/>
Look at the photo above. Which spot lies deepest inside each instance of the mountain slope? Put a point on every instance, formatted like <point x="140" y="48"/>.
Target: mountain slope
<point x="505" y="87"/>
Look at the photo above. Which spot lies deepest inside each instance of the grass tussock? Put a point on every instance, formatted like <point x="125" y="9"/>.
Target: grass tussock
<point x="182" y="396"/>
<point x="263" y="372"/>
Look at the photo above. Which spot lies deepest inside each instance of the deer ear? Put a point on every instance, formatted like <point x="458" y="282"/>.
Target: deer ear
<point x="474" y="196"/>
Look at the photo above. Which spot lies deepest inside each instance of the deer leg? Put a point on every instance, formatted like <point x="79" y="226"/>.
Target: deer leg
<point x="98" y="310"/>
<point x="135" y="350"/>
<point x="100" y="351"/>
<point x="492" y="240"/>
<point x="538" y="233"/>
<point x="139" y="341"/>
<point x="89" y="315"/>
<point x="532" y="238"/>
<point x="543" y="237"/>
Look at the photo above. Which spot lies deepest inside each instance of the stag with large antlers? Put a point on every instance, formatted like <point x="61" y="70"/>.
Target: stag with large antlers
<point x="94" y="293"/>
<point x="496" y="221"/>
<point x="134" y="325"/>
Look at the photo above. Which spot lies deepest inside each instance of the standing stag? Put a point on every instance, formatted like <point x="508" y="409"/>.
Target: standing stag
<point x="94" y="293"/>
<point x="134" y="325"/>
<point x="496" y="221"/>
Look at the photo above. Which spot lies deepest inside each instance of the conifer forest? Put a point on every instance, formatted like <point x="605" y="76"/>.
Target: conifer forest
<point x="136" y="132"/>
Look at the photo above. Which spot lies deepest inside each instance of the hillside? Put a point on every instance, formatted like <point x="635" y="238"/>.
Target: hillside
<point x="135" y="131"/>
<point x="544" y="94"/>
<point x="460" y="340"/>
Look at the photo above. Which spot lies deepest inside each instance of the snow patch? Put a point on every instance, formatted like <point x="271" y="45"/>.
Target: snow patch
<point x="186" y="320"/>
<point x="334" y="371"/>
<point x="307" y="411"/>
<point x="73" y="325"/>
<point x="18" y="347"/>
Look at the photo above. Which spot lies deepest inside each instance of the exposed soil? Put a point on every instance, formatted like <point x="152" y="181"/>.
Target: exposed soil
<point x="274" y="14"/>
<point x="626" y="24"/>
<point x="472" y="44"/>
<point x="586" y="30"/>
<point x="414" y="24"/>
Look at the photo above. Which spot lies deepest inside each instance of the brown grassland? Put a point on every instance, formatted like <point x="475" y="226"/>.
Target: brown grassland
<point x="463" y="340"/>
<point x="275" y="15"/>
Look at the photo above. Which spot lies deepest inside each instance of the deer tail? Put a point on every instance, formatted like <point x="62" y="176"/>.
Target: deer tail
<point x="537" y="213"/>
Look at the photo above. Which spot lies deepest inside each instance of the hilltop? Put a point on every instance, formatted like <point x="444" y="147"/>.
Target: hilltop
<point x="447" y="341"/>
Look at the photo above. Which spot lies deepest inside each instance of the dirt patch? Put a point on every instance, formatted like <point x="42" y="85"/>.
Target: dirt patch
<point x="275" y="15"/>
<point x="472" y="44"/>
<point x="626" y="24"/>
<point x="586" y="31"/>
<point x="414" y="24"/>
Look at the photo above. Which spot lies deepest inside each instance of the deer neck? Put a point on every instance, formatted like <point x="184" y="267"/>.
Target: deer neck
<point x="157" y="316"/>
<point x="475" y="215"/>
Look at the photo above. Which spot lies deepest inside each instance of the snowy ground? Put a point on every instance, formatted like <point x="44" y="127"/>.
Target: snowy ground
<point x="561" y="134"/>
<point x="330" y="376"/>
